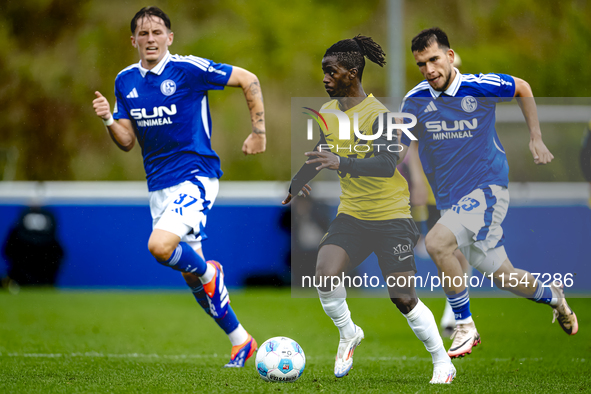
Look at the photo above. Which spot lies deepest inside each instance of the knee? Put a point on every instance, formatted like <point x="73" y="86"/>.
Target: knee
<point x="160" y="249"/>
<point x="405" y="303"/>
<point x="323" y="268"/>
<point x="436" y="244"/>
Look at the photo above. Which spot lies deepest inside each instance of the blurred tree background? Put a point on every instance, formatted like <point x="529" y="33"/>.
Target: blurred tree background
<point x="56" y="53"/>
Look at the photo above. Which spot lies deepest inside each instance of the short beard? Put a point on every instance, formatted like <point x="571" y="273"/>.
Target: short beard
<point x="446" y="84"/>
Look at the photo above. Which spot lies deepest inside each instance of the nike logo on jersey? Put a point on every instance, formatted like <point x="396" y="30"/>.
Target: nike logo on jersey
<point x="132" y="94"/>
<point x="431" y="107"/>
<point x="404" y="258"/>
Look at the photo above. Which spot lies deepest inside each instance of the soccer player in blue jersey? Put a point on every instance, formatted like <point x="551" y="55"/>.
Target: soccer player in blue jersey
<point x="467" y="169"/>
<point x="162" y="101"/>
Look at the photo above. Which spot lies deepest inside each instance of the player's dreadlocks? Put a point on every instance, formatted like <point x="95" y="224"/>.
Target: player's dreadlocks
<point x="351" y="53"/>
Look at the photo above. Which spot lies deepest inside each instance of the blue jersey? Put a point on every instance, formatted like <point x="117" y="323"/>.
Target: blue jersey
<point x="169" y="110"/>
<point x="458" y="144"/>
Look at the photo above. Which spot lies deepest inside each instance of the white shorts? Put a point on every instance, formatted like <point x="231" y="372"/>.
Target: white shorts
<point x="182" y="209"/>
<point x="476" y="222"/>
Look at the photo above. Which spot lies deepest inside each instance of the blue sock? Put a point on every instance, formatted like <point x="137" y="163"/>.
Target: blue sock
<point x="228" y="323"/>
<point x="185" y="259"/>
<point x="460" y="304"/>
<point x="543" y="295"/>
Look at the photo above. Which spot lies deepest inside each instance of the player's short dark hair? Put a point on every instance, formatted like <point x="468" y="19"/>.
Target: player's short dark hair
<point x="351" y="53"/>
<point x="150" y="12"/>
<point x="427" y="37"/>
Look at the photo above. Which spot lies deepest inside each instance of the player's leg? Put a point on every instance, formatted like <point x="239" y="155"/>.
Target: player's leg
<point x="394" y="249"/>
<point x="180" y="215"/>
<point x="243" y="344"/>
<point x="168" y="250"/>
<point x="523" y="284"/>
<point x="442" y="241"/>
<point x="422" y="322"/>
<point x="441" y="244"/>
<point x="341" y="249"/>
<point x="448" y="320"/>
<point x="332" y="262"/>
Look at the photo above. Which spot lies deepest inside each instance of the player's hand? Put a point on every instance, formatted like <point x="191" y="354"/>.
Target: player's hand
<point x="303" y="193"/>
<point x="101" y="106"/>
<point x="254" y="144"/>
<point x="539" y="151"/>
<point x="326" y="159"/>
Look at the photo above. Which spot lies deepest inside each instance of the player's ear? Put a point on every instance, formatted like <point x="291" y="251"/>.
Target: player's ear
<point x="133" y="42"/>
<point x="170" y="38"/>
<point x="451" y="55"/>
<point x="353" y="73"/>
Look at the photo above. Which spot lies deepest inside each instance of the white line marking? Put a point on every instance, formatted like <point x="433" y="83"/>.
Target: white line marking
<point x="215" y="355"/>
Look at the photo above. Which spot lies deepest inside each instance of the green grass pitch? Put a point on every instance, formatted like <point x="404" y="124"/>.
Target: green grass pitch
<point x="161" y="342"/>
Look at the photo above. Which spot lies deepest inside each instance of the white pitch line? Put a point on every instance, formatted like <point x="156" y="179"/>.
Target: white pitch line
<point x="108" y="355"/>
<point x="215" y="355"/>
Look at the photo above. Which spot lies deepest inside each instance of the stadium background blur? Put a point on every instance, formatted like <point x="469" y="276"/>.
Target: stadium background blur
<point x="55" y="54"/>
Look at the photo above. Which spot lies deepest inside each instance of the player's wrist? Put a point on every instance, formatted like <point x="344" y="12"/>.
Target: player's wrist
<point x="535" y="137"/>
<point x="109" y="120"/>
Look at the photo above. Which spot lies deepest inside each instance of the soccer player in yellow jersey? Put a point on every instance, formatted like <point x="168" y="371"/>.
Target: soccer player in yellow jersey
<point x="374" y="213"/>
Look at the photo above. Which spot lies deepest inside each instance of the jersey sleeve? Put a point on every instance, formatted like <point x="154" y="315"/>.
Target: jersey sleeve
<point x="307" y="172"/>
<point x="501" y="86"/>
<point x="409" y="107"/>
<point x="120" y="110"/>
<point x="382" y="165"/>
<point x="209" y="75"/>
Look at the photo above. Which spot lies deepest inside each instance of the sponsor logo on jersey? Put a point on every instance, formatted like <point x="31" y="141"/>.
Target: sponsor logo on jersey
<point x="447" y="129"/>
<point x="158" y="117"/>
<point x="469" y="104"/>
<point x="215" y="70"/>
<point x="168" y="87"/>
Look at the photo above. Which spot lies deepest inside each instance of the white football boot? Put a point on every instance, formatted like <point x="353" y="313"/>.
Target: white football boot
<point x="464" y="337"/>
<point x="344" y="360"/>
<point x="443" y="374"/>
<point x="562" y="312"/>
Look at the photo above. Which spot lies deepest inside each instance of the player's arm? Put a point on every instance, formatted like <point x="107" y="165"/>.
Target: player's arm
<point x="121" y="131"/>
<point x="527" y="103"/>
<point x="299" y="183"/>
<point x="383" y="164"/>
<point x="419" y="195"/>
<point x="256" y="141"/>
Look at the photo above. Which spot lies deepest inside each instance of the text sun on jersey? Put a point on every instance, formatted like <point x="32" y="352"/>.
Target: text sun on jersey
<point x="156" y="118"/>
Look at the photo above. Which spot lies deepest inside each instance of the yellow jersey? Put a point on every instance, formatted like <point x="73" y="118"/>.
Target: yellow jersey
<point x="365" y="197"/>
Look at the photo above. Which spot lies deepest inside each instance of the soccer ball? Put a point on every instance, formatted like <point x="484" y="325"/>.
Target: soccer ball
<point x="280" y="359"/>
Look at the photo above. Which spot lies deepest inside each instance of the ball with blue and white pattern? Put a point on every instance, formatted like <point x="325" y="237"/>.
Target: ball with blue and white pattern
<point x="280" y="359"/>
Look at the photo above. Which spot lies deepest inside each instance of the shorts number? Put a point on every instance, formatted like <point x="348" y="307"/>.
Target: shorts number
<point x="468" y="204"/>
<point x="182" y="198"/>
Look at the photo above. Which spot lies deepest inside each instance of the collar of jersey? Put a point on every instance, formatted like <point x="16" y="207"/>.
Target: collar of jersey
<point x="158" y="68"/>
<point x="336" y="102"/>
<point x="453" y="87"/>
